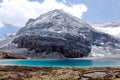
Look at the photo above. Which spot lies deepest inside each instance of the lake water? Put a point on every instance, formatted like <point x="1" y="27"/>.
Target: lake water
<point x="62" y="63"/>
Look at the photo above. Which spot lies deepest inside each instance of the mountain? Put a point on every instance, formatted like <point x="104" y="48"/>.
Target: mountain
<point x="104" y="45"/>
<point x="112" y="27"/>
<point x="56" y="31"/>
<point x="109" y="44"/>
<point x="57" y="34"/>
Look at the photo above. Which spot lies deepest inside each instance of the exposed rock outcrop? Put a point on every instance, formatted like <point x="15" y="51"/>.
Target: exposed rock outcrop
<point x="6" y="55"/>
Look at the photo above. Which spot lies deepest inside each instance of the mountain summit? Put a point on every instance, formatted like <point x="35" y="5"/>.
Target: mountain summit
<point x="55" y="21"/>
<point x="56" y="31"/>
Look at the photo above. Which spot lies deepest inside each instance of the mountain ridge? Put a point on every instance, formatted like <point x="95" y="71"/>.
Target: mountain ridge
<point x="57" y="30"/>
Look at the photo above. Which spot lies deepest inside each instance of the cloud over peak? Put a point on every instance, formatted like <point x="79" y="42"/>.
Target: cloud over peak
<point x="17" y="12"/>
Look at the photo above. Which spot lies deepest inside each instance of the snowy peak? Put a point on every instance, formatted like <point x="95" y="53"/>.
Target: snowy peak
<point x="56" y="31"/>
<point x="57" y="16"/>
<point x="53" y="13"/>
<point x="56" y="21"/>
<point x="57" y="13"/>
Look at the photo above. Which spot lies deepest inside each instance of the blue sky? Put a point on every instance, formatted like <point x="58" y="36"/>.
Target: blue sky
<point x="97" y="11"/>
<point x="100" y="10"/>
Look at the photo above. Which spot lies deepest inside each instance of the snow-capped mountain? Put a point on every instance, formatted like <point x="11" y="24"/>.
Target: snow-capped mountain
<point x="58" y="31"/>
<point x="71" y="32"/>
<point x="112" y="28"/>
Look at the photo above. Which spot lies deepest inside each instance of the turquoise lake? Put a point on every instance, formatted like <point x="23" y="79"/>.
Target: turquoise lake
<point x="62" y="62"/>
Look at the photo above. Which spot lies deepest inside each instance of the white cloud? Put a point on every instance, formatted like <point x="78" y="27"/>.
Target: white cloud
<point x="1" y="25"/>
<point x="17" y="12"/>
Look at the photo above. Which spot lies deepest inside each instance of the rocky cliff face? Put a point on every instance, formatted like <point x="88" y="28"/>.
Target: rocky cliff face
<point x="56" y="31"/>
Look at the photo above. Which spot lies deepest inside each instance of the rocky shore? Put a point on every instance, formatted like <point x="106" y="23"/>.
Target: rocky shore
<point x="59" y="73"/>
<point x="8" y="55"/>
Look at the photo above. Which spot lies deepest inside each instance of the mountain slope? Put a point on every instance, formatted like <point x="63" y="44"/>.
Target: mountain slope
<point x="60" y="35"/>
<point x="104" y="44"/>
<point x="111" y="47"/>
<point x="56" y="31"/>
